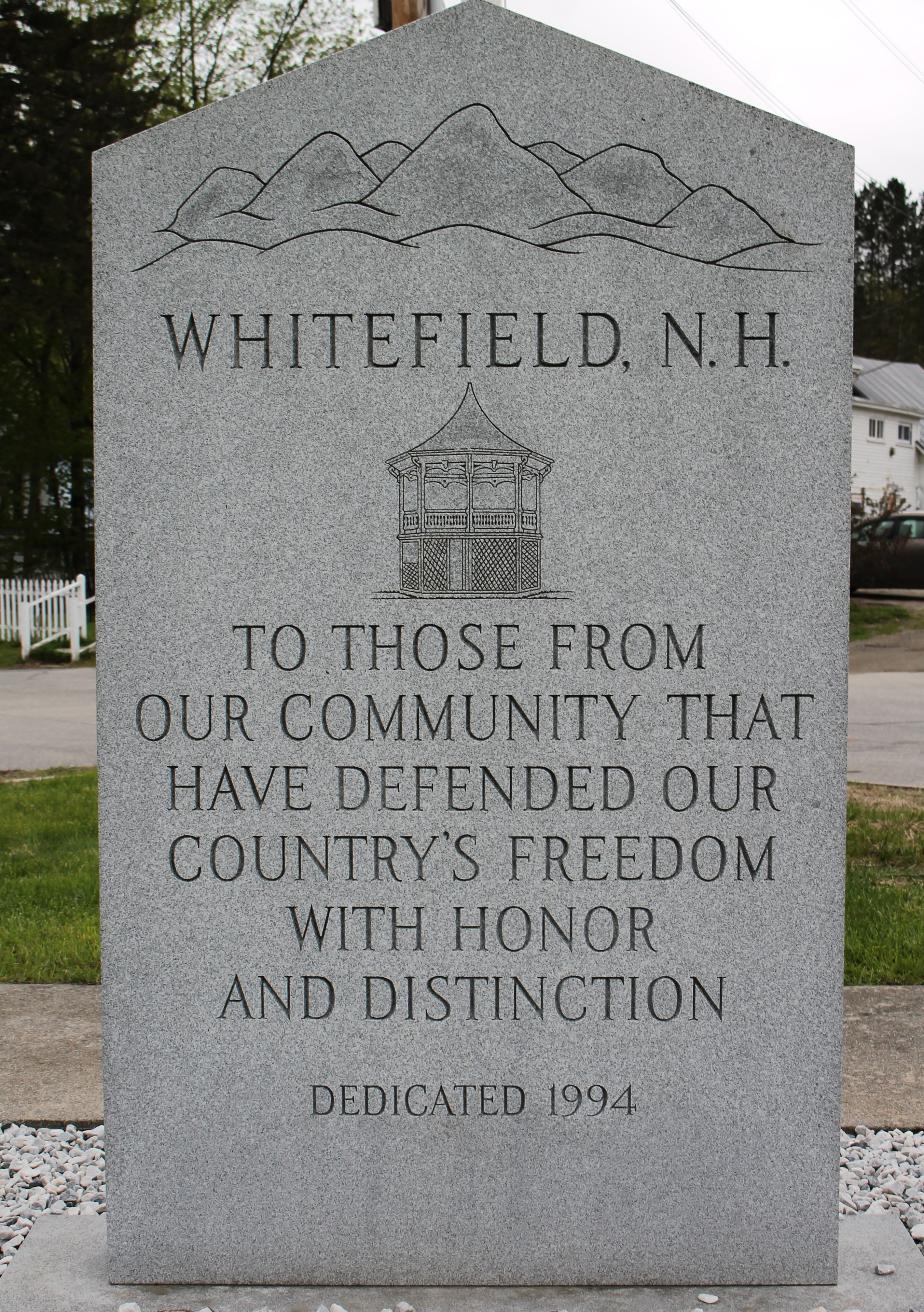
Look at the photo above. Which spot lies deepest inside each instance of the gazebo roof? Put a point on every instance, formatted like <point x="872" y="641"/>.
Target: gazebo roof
<point x="468" y="429"/>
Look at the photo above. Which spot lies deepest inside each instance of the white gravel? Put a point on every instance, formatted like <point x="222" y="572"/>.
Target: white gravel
<point x="883" y="1171"/>
<point x="59" y="1171"/>
<point x="64" y="1171"/>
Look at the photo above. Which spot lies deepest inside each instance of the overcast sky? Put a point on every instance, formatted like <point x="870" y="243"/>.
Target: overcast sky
<point x="814" y="55"/>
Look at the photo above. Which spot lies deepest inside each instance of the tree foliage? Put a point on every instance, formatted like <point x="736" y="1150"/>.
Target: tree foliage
<point x="196" y="51"/>
<point x="76" y="75"/>
<point x="65" y="89"/>
<point x="889" y="273"/>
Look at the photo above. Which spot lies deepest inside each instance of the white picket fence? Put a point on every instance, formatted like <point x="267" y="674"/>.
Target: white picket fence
<point x="14" y="591"/>
<point x="40" y="611"/>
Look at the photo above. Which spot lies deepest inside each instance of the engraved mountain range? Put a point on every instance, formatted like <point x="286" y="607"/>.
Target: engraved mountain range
<point x="469" y="173"/>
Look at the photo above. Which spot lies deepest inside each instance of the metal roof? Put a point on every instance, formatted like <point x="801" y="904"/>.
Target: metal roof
<point x="889" y="383"/>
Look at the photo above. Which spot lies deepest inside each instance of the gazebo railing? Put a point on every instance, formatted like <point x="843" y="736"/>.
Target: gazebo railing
<point x="444" y="519"/>
<point x="494" y="519"/>
<point x="481" y="519"/>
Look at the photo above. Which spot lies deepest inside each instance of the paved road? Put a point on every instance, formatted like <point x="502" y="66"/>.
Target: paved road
<point x="885" y="742"/>
<point x="898" y="596"/>
<point x="47" y="717"/>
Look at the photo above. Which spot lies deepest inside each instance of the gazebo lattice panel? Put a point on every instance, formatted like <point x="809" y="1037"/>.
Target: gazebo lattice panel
<point x="410" y="578"/>
<point x="434" y="564"/>
<point x="529" y="563"/>
<point x="494" y="564"/>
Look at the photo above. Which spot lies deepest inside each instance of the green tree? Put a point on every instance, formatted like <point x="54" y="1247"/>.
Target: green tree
<point x="889" y="273"/>
<point x="76" y="75"/>
<point x="197" y="51"/>
<point x="65" y="89"/>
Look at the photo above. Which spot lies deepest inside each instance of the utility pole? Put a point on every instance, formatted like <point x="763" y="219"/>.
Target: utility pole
<point x="407" y="11"/>
<point x="395" y="13"/>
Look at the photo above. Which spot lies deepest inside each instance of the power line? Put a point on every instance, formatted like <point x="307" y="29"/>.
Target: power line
<point x="883" y="39"/>
<point x="735" y="64"/>
<point x="760" y="88"/>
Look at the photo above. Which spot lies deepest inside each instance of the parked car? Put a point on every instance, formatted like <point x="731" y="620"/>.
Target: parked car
<point x="888" y="552"/>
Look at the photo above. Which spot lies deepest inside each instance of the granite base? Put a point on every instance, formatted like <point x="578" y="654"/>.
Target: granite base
<point x="62" y="1268"/>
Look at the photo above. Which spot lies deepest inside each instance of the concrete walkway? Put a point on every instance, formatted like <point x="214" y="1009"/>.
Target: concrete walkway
<point x="885" y="742"/>
<point x="50" y="1070"/>
<point x="50" y="1040"/>
<point x="47" y="717"/>
<point x="890" y="653"/>
<point x="901" y="652"/>
<point x="883" y="1057"/>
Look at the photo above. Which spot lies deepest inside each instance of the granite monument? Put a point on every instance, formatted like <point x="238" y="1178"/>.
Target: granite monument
<point x="472" y="466"/>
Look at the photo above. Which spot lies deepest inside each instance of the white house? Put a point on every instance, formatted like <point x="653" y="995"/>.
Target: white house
<point x="887" y="445"/>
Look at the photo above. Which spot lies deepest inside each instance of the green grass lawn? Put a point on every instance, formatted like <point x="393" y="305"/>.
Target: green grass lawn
<point x="871" y="619"/>
<point x="49" y="924"/>
<point x="885" y="885"/>
<point x="56" y="653"/>
<point x="49" y="921"/>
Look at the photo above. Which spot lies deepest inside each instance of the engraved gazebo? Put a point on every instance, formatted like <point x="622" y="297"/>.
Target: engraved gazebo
<point x="469" y="516"/>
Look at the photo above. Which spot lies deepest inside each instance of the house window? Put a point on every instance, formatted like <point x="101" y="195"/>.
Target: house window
<point x="904" y="434"/>
<point x="876" y="430"/>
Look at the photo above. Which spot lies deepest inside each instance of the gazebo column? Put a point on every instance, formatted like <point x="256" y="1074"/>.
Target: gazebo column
<point x="539" y="476"/>
<point x="420" y="466"/>
<point x="469" y="522"/>
<point x="518" y="517"/>
<point x="537" y="483"/>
